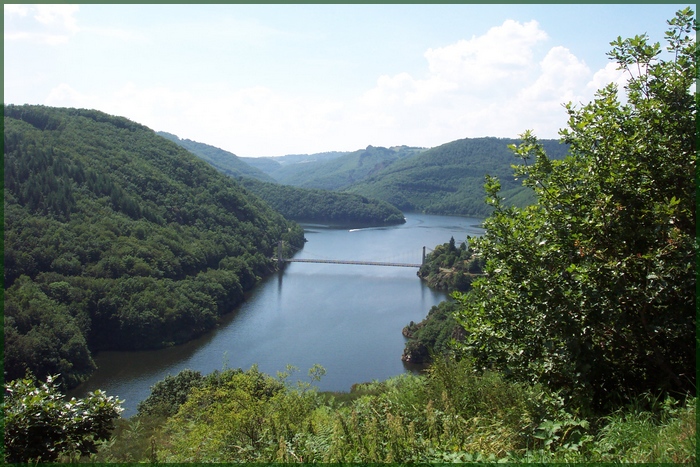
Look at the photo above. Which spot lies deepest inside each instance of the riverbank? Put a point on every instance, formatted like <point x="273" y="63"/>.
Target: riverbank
<point x="347" y="318"/>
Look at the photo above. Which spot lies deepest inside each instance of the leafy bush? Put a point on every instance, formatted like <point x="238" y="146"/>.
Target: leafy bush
<point x="242" y="416"/>
<point x="168" y="395"/>
<point x="452" y="413"/>
<point x="40" y="425"/>
<point x="592" y="291"/>
<point x="434" y="335"/>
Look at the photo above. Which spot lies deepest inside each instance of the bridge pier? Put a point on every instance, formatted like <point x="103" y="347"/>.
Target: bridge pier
<point x="280" y="259"/>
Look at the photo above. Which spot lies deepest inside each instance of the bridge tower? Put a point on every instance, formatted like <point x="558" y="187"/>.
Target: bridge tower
<point x="423" y="260"/>
<point x="280" y="260"/>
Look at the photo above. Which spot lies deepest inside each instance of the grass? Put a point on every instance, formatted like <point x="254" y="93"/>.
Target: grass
<point x="448" y="415"/>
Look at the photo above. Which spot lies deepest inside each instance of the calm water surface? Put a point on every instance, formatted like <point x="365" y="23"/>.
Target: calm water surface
<point x="347" y="318"/>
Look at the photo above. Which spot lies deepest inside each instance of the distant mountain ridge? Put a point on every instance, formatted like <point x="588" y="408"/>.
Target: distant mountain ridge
<point x="298" y="158"/>
<point x="224" y="161"/>
<point x="297" y="203"/>
<point x="335" y="171"/>
<point x="447" y="179"/>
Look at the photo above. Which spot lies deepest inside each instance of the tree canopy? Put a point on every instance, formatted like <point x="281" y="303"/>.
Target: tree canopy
<point x="315" y="205"/>
<point x="295" y="203"/>
<point x="116" y="238"/>
<point x="448" y="179"/>
<point x="592" y="290"/>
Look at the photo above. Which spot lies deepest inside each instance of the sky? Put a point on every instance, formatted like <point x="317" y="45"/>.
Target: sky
<point x="270" y="80"/>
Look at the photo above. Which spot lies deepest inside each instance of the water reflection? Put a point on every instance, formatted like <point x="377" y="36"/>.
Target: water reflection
<point x="347" y="318"/>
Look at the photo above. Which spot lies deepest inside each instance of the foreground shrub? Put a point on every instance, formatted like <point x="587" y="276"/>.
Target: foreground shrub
<point x="40" y="425"/>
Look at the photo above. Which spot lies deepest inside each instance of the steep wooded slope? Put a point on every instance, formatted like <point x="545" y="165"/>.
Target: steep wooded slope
<point x="310" y="205"/>
<point x="296" y="203"/>
<point x="449" y="179"/>
<point x="116" y="238"/>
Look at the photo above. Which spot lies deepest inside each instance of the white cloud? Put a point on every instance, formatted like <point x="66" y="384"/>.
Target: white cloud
<point x="497" y="84"/>
<point x="490" y="85"/>
<point x="250" y="121"/>
<point x="65" y="96"/>
<point x="19" y="10"/>
<point x="62" y="16"/>
<point x="504" y="52"/>
<point x="49" y="24"/>
<point x="562" y="77"/>
<point x="607" y="75"/>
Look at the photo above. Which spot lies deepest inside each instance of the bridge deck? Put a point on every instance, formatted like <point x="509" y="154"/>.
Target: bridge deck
<point x="340" y="261"/>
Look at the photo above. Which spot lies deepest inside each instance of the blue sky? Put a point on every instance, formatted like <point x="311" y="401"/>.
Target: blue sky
<point x="269" y="80"/>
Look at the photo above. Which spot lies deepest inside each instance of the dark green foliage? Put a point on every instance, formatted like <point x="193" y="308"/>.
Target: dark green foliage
<point x="303" y="205"/>
<point x="42" y="335"/>
<point x="308" y="205"/>
<point x="224" y="161"/>
<point x="592" y="290"/>
<point x="126" y="239"/>
<point x="434" y="335"/>
<point x="40" y="425"/>
<point x="448" y="179"/>
<point x="451" y="268"/>
<point x="169" y="394"/>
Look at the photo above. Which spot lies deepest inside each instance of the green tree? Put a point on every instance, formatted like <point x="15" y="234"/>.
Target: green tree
<point x="592" y="290"/>
<point x="239" y="416"/>
<point x="42" y="336"/>
<point x="169" y="394"/>
<point x="40" y="425"/>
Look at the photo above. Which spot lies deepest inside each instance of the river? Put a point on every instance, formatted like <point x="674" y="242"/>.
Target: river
<point x="347" y="318"/>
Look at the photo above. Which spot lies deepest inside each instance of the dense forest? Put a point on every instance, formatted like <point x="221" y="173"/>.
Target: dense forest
<point x="116" y="238"/>
<point x="449" y="179"/>
<point x="309" y="205"/>
<point x="579" y="341"/>
<point x="299" y="204"/>
<point x="451" y="267"/>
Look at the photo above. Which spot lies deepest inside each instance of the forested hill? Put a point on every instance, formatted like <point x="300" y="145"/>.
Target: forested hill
<point x="299" y="204"/>
<point x="116" y="238"/>
<point x="309" y="205"/>
<point x="222" y="160"/>
<point x="449" y="179"/>
<point x="270" y="165"/>
<point x="336" y="171"/>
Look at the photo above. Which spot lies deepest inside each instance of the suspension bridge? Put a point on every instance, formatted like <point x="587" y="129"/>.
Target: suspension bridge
<point x="281" y="260"/>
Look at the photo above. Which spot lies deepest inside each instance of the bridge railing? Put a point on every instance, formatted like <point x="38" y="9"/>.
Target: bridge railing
<point x="281" y="259"/>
